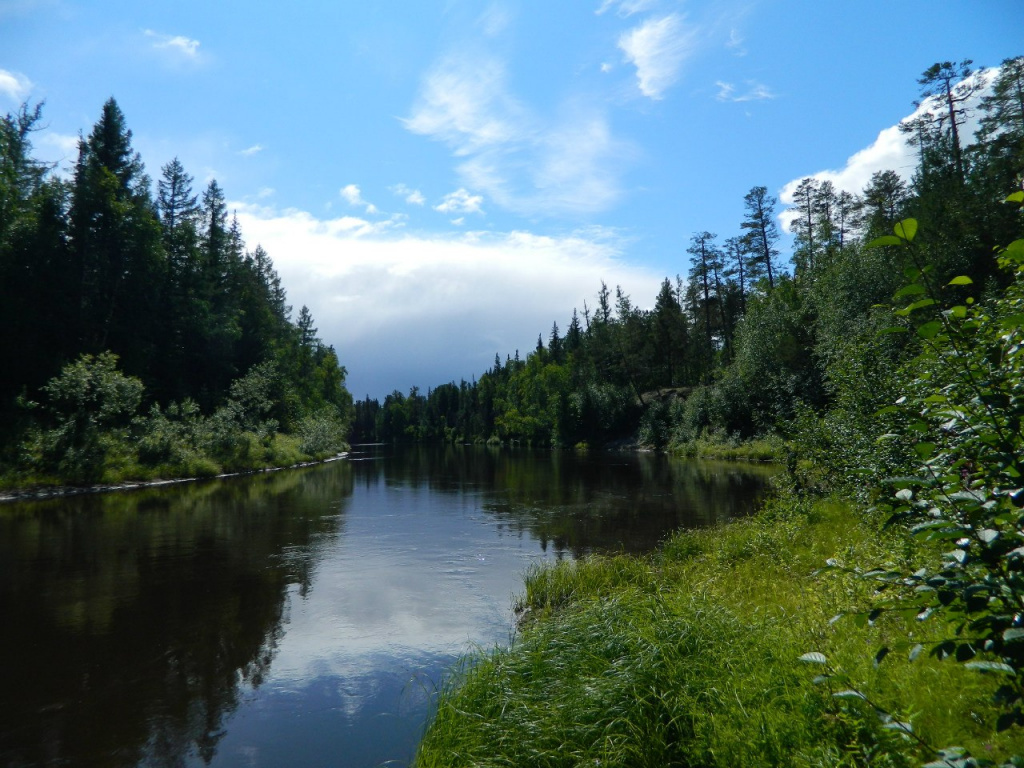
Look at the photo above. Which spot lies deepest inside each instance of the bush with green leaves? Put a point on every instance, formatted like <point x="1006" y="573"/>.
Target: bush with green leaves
<point x="322" y="433"/>
<point x="87" y="409"/>
<point x="963" y="405"/>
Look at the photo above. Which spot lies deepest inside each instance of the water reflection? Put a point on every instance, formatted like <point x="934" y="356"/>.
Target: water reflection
<point x="301" y="617"/>
<point x="133" y="621"/>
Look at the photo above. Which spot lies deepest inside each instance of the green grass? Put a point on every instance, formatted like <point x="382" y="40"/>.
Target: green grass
<point x="691" y="657"/>
<point x="770" y="448"/>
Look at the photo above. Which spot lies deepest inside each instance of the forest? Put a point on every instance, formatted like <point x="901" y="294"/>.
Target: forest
<point x="744" y="345"/>
<point x="141" y="337"/>
<point x="871" y="613"/>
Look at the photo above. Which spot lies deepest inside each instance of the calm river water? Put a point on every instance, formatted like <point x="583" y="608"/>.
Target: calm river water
<point x="304" y="617"/>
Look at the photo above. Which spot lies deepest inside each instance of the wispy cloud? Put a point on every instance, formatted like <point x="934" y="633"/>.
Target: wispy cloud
<point x="14" y="85"/>
<point x="494" y="20"/>
<point x="405" y="309"/>
<point x="505" y="149"/>
<point x="250" y="151"/>
<point x="751" y="92"/>
<point x="465" y="104"/>
<point x="735" y="43"/>
<point x="625" y="7"/>
<point x="657" y="48"/>
<point x="460" y="201"/>
<point x="411" y="196"/>
<point x="179" y="45"/>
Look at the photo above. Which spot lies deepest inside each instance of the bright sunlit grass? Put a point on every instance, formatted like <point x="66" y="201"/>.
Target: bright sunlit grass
<point x="692" y="657"/>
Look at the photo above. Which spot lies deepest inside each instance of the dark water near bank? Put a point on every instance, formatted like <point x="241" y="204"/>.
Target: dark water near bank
<point x="304" y="617"/>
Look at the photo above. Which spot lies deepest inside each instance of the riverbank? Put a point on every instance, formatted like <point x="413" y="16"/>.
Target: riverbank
<point x="50" y="491"/>
<point x="693" y="657"/>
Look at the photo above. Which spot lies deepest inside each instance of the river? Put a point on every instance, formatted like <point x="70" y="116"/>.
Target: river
<point x="302" y="617"/>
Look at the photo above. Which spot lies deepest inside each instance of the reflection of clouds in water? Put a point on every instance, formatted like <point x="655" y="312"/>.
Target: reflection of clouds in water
<point x="407" y="583"/>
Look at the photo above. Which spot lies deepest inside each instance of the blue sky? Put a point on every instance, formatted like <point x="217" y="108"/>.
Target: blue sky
<point x="440" y="181"/>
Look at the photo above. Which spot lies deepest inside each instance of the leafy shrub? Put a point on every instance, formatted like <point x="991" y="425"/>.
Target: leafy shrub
<point x="88" y="407"/>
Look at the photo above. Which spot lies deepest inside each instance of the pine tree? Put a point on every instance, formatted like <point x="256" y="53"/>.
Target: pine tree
<point x="951" y="86"/>
<point x="761" y="233"/>
<point x="116" y="243"/>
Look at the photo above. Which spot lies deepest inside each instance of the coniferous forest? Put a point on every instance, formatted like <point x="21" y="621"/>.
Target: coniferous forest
<point x="141" y="337"/>
<point x="744" y="345"/>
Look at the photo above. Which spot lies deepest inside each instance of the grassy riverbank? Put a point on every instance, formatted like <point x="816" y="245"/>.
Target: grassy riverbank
<point x="692" y="657"/>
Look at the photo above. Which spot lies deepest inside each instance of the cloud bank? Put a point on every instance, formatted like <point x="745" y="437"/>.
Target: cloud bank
<point x="407" y="309"/>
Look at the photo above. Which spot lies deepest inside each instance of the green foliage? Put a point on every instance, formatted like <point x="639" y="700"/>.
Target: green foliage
<point x="964" y="407"/>
<point x="94" y="267"/>
<point x="88" y="408"/>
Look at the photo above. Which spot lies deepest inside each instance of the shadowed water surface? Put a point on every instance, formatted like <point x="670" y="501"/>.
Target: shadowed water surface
<point x="300" y="618"/>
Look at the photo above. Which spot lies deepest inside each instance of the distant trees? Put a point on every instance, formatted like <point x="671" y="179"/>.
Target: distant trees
<point x="740" y="346"/>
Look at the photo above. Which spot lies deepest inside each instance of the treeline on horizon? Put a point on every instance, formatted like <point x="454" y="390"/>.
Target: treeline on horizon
<point x="741" y="346"/>
<point x="139" y="333"/>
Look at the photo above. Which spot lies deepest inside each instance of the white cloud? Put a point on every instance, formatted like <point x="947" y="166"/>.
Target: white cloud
<point x="460" y="201"/>
<point x="506" y="150"/>
<point x="14" y="85"/>
<point x="411" y="196"/>
<point x="65" y="143"/>
<point x="61" y="149"/>
<point x="658" y="48"/>
<point x="250" y="151"/>
<point x="464" y="103"/>
<point x="404" y="309"/>
<point x="752" y="92"/>
<point x="888" y="152"/>
<point x="353" y="196"/>
<point x="179" y="45"/>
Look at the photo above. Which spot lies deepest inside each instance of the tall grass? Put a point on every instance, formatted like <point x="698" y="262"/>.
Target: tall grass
<point x="691" y="657"/>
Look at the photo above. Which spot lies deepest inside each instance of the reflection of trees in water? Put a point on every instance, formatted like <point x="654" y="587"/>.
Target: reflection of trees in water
<point x="133" y="622"/>
<point x="579" y="503"/>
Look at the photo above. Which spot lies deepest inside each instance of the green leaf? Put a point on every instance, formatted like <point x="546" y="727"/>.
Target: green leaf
<point x="884" y="240"/>
<point x="914" y="289"/>
<point x="1016" y="197"/>
<point x="924" y="450"/>
<point x="906" y="229"/>
<point x="1014" y="634"/>
<point x="929" y="330"/>
<point x="814" y="658"/>
<point x="961" y="280"/>
<point x="991" y="666"/>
